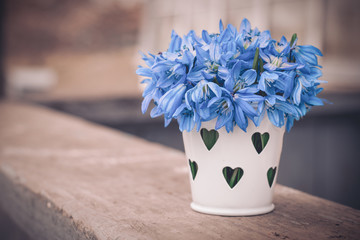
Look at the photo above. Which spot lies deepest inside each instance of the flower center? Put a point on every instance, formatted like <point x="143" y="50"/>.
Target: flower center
<point x="277" y="62"/>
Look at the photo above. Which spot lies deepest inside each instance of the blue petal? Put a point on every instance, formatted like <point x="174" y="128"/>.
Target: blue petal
<point x="240" y="118"/>
<point x="289" y="123"/>
<point x="222" y="120"/>
<point x="162" y="67"/>
<point x="221" y="26"/>
<point x="247" y="90"/>
<point x="232" y="29"/>
<point x="223" y="73"/>
<point x="146" y="72"/>
<point x="273" y="117"/>
<point x="245" y="26"/>
<point x="271" y="100"/>
<point x="145" y="103"/>
<point x="175" y="43"/>
<point x="264" y="39"/>
<point x="167" y="121"/>
<point x="189" y="124"/>
<point x="188" y="59"/>
<point x="229" y="126"/>
<point x="297" y="93"/>
<point x="225" y="36"/>
<point x="261" y="113"/>
<point x="270" y="67"/>
<point x="283" y="40"/>
<point x="194" y="76"/>
<point x="148" y="61"/>
<point x="276" y="117"/>
<point x="206" y="37"/>
<point x="237" y="68"/>
<point x="215" y="89"/>
<point x="251" y="97"/>
<point x="288" y="66"/>
<point x="264" y="57"/>
<point x="261" y="84"/>
<point x="311" y="49"/>
<point x="288" y="108"/>
<point x="155" y="112"/>
<point x="171" y="100"/>
<point x="204" y="112"/>
<point x="249" y="76"/>
<point x="179" y="110"/>
<point x="212" y="101"/>
<point x="214" y="52"/>
<point x="208" y="76"/>
<point x="246" y="107"/>
<point x="314" y="101"/>
<point x="201" y="54"/>
<point x="263" y="78"/>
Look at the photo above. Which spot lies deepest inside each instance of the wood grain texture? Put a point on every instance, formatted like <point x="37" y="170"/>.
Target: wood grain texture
<point x="64" y="178"/>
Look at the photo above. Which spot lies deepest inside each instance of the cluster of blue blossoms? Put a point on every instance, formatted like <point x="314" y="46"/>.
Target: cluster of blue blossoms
<point x="233" y="76"/>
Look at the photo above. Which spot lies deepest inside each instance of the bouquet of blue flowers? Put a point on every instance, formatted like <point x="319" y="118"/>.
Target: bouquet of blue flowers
<point x="233" y="77"/>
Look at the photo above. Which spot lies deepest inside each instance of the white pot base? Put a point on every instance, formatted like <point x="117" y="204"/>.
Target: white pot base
<point x="232" y="211"/>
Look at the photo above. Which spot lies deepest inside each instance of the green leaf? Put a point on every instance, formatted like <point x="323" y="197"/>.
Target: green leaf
<point x="193" y="168"/>
<point x="256" y="139"/>
<point x="232" y="176"/>
<point x="293" y="38"/>
<point x="260" y="141"/>
<point x="264" y="139"/>
<point x="256" y="59"/>
<point x="209" y="137"/>
<point x="271" y="175"/>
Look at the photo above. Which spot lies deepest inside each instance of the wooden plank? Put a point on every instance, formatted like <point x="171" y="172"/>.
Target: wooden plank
<point x="64" y="178"/>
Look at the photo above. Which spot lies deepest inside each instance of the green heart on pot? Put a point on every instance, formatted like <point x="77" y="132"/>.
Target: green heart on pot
<point x="260" y="140"/>
<point x="232" y="176"/>
<point x="271" y="175"/>
<point x="193" y="168"/>
<point x="209" y="137"/>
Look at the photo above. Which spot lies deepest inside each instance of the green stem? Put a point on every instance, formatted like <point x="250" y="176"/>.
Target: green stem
<point x="256" y="59"/>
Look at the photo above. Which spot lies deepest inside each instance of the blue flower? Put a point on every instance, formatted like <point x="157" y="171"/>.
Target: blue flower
<point x="211" y="59"/>
<point x="199" y="96"/>
<point x="238" y="85"/>
<point x="309" y="97"/>
<point x="248" y="37"/>
<point x="307" y="55"/>
<point x="276" y="107"/>
<point x="266" y="82"/>
<point x="280" y="48"/>
<point x="171" y="100"/>
<point x="220" y="76"/>
<point x="202" y="92"/>
<point x="279" y="110"/>
<point x="239" y="77"/>
<point x="277" y="62"/>
<point x="223" y="108"/>
<point x="242" y="103"/>
<point x="187" y="118"/>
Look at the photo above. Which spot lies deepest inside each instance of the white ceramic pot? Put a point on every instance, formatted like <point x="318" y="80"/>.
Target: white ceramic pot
<point x="229" y="176"/>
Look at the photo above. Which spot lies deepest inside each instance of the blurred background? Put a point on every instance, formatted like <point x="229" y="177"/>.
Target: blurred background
<point x="80" y="57"/>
